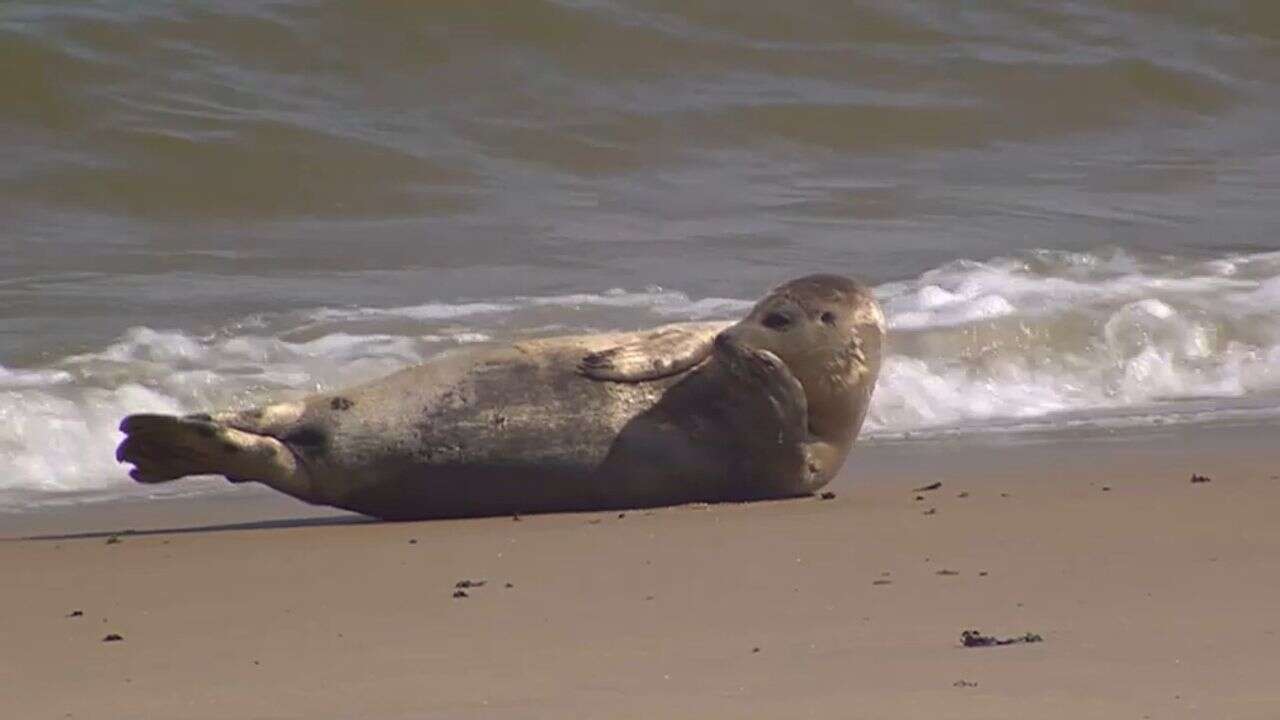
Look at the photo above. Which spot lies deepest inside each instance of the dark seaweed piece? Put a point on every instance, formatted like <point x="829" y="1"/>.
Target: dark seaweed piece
<point x="973" y="638"/>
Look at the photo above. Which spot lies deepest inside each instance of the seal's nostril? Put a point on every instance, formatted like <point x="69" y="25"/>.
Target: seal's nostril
<point x="722" y="340"/>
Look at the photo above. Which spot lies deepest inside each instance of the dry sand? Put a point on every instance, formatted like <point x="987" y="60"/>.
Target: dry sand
<point x="1156" y="598"/>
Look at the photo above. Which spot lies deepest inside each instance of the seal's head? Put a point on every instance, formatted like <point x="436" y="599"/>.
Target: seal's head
<point x="827" y="329"/>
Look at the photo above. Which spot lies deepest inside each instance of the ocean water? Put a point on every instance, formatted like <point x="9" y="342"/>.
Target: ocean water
<point x="1068" y="209"/>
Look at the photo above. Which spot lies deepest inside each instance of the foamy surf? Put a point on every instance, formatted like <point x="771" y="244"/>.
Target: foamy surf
<point x="1041" y="341"/>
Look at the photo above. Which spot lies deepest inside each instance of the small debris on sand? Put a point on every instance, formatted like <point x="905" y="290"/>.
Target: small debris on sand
<point x="919" y="498"/>
<point x="973" y="638"/>
<point x="413" y="541"/>
<point x="881" y="582"/>
<point x="945" y="571"/>
<point x="1004" y="495"/>
<point x="460" y="594"/>
<point x="964" y="684"/>
<point x="113" y="637"/>
<point x="828" y="495"/>
<point x="462" y="584"/>
<point x="594" y="522"/>
<point x="75" y="613"/>
<point x="964" y="494"/>
<point x="1201" y="478"/>
<point x="621" y="515"/>
<point x="515" y="518"/>
<point x="1106" y="488"/>
<point x="755" y="649"/>
<point x="983" y="573"/>
<point x="930" y="486"/>
<point x="508" y="586"/>
<point x="930" y="511"/>
<point x="114" y="540"/>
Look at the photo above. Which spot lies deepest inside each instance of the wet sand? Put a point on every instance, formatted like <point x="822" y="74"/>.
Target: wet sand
<point x="1155" y="597"/>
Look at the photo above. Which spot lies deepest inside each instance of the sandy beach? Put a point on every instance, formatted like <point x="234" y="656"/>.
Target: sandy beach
<point x="1154" y="597"/>
<point x="1066" y="211"/>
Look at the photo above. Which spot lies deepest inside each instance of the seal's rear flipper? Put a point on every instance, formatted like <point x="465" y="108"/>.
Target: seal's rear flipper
<point x="165" y="447"/>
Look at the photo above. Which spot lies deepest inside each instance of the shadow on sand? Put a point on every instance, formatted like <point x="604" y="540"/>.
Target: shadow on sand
<point x="256" y="525"/>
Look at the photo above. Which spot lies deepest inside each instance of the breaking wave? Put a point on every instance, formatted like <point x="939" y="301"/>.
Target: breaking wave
<point x="1041" y="340"/>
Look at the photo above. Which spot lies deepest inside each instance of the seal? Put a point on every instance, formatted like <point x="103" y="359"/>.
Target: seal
<point x="767" y="407"/>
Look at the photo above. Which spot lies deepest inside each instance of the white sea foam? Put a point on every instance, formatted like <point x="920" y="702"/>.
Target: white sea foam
<point x="653" y="299"/>
<point x="1037" y="341"/>
<point x="1056" y="332"/>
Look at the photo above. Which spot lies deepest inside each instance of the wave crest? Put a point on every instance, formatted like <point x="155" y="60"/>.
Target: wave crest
<point x="1047" y="338"/>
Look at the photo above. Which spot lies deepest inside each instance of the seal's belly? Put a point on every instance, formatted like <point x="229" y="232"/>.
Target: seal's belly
<point x="506" y="433"/>
<point x="525" y="414"/>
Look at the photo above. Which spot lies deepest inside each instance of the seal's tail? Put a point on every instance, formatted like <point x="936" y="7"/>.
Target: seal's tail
<point x="165" y="447"/>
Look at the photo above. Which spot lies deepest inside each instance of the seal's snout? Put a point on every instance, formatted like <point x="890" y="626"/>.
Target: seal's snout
<point x="729" y="341"/>
<point x="723" y="341"/>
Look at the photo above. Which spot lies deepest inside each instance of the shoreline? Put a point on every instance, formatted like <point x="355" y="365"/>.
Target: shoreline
<point x="1153" y="596"/>
<point x="1167" y="449"/>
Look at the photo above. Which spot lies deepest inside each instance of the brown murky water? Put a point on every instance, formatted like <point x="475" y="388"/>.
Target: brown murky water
<point x="1067" y="207"/>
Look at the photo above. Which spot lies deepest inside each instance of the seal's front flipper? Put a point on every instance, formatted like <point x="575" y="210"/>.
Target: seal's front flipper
<point x="164" y="447"/>
<point x="771" y="388"/>
<point x="660" y="353"/>
<point x="773" y="410"/>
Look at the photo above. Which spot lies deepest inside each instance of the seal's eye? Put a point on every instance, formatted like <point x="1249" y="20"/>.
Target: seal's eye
<point x="829" y="317"/>
<point x="776" y="321"/>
